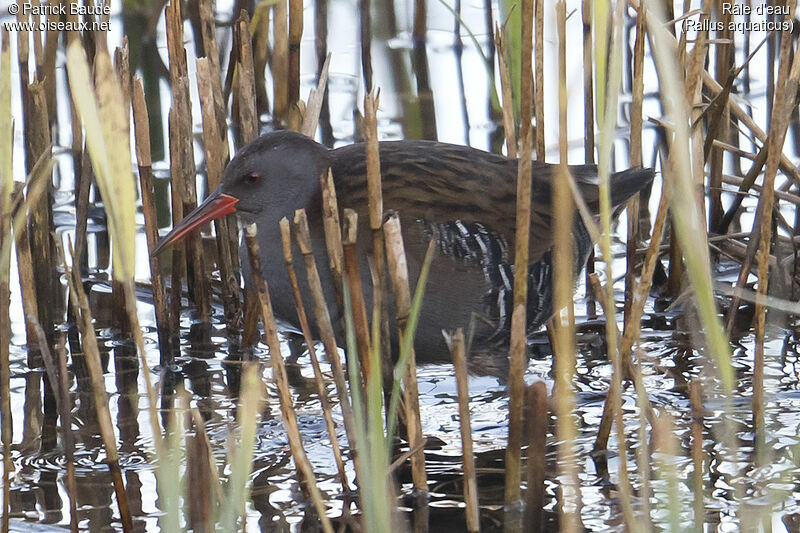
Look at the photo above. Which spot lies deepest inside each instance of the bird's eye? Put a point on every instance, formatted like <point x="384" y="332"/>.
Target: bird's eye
<point x="252" y="179"/>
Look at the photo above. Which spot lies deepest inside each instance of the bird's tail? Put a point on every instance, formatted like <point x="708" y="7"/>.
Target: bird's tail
<point x="623" y="184"/>
<point x="628" y="182"/>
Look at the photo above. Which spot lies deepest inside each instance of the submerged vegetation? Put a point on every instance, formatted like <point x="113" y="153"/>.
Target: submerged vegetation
<point x="653" y="81"/>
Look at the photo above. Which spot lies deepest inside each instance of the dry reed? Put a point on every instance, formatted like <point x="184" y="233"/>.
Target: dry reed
<point x="141" y="123"/>
<point x="506" y="90"/>
<point x="467" y="453"/>
<point x="537" y="421"/>
<point x="353" y="274"/>
<point x="398" y="272"/>
<point x="517" y="353"/>
<point x="280" y="63"/>
<point x="563" y="321"/>
<point x="303" y="238"/>
<point x="375" y="199"/>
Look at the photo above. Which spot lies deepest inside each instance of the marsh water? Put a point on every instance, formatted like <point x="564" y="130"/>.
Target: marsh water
<point x="446" y="96"/>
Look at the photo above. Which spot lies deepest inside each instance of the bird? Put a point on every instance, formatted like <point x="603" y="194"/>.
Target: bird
<point x="462" y="198"/>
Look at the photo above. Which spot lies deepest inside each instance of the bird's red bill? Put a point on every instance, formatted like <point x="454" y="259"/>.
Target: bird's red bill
<point x="215" y="206"/>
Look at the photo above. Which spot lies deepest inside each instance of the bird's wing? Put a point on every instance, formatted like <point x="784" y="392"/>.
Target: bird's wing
<point x="441" y="183"/>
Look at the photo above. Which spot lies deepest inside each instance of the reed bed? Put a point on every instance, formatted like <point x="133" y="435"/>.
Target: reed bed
<point x="711" y="149"/>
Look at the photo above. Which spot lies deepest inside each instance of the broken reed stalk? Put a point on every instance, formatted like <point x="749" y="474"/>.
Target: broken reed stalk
<point x="210" y="51"/>
<point x="691" y="66"/>
<point x="519" y="331"/>
<point x="123" y="71"/>
<point x="588" y="128"/>
<point x="675" y="271"/>
<point x="588" y="84"/>
<point x="645" y="279"/>
<point x="366" y="42"/>
<point x="245" y="89"/>
<point x="407" y="339"/>
<point x="295" y="36"/>
<point x="215" y="142"/>
<point x="261" y="51"/>
<point x="322" y="316"/>
<point x="305" y="473"/>
<point x="211" y="79"/>
<point x="315" y="101"/>
<point x="141" y="122"/>
<point x="250" y="333"/>
<point x="321" y="50"/>
<point x="245" y="116"/>
<point x="563" y="320"/>
<point x="718" y="125"/>
<point x="467" y="453"/>
<point x="182" y="170"/>
<point x="286" y="240"/>
<point x="40" y="213"/>
<point x="633" y="236"/>
<point x="537" y="417"/>
<point x="83" y="186"/>
<point x="91" y="351"/>
<point x="25" y="268"/>
<point x="785" y="98"/>
<point x="696" y="402"/>
<point x="297" y="114"/>
<point x="375" y="196"/>
<point x="538" y="80"/>
<point x="353" y="274"/>
<point x="398" y="271"/>
<point x="744" y="185"/>
<point x="505" y="86"/>
<point x="178" y="251"/>
<point x="333" y="233"/>
<point x="280" y="63"/>
<point x="693" y="95"/>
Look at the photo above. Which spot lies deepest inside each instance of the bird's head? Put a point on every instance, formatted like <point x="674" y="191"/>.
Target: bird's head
<point x="266" y="180"/>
